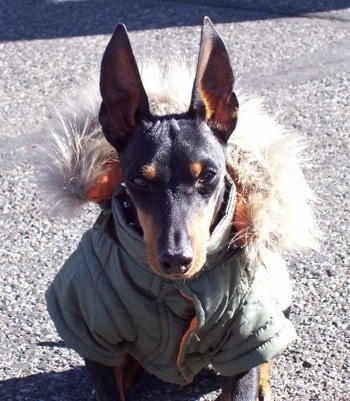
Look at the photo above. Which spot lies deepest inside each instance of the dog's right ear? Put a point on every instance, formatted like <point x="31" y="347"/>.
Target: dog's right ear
<point x="124" y="100"/>
<point x="213" y="99"/>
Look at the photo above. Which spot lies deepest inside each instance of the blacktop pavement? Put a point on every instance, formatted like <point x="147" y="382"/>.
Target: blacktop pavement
<point x="294" y="53"/>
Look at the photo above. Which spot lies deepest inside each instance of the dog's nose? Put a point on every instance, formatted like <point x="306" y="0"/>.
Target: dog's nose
<point x="175" y="262"/>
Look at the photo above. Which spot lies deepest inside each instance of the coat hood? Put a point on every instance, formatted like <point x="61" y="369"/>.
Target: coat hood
<point x="264" y="159"/>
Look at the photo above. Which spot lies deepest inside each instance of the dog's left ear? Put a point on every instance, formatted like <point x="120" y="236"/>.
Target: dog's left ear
<point x="213" y="99"/>
<point x="124" y="100"/>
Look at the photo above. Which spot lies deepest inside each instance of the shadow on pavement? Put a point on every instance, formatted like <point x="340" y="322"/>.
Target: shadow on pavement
<point x="46" y="19"/>
<point x="70" y="385"/>
<point x="75" y="385"/>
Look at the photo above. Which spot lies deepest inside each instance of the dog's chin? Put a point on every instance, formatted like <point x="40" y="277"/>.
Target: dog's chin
<point x="175" y="276"/>
<point x="194" y="269"/>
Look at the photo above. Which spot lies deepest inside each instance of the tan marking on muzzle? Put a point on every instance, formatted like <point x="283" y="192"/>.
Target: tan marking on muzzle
<point x="199" y="231"/>
<point x="151" y="235"/>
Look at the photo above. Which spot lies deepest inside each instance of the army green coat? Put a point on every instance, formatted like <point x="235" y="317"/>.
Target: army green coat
<point x="106" y="301"/>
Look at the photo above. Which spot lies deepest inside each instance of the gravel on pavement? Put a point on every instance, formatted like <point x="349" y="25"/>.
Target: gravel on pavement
<point x="295" y="54"/>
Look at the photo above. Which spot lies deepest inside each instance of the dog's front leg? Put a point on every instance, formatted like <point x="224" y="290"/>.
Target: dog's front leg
<point x="104" y="381"/>
<point x="112" y="383"/>
<point x="242" y="387"/>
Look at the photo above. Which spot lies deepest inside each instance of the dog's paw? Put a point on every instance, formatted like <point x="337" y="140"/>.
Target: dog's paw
<point x="265" y="392"/>
<point x="265" y="395"/>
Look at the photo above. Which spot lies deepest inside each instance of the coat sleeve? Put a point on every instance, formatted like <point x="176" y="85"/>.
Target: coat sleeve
<point x="258" y="331"/>
<point x="76" y="305"/>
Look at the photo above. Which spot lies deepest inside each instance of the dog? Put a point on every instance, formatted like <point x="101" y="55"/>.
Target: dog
<point x="183" y="267"/>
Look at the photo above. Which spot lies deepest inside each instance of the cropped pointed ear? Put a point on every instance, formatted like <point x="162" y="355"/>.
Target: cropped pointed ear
<point x="124" y="100"/>
<point x="213" y="99"/>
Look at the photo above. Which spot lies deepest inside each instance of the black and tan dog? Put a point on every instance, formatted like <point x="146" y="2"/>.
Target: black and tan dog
<point x="174" y="168"/>
<point x="178" y="272"/>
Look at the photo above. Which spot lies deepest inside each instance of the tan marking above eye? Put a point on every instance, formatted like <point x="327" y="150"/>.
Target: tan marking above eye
<point x="149" y="172"/>
<point x="196" y="168"/>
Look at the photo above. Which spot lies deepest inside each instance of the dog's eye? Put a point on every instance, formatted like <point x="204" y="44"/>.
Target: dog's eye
<point x="139" y="182"/>
<point x="206" y="176"/>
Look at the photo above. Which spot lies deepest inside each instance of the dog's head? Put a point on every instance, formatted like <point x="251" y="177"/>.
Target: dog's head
<point x="173" y="166"/>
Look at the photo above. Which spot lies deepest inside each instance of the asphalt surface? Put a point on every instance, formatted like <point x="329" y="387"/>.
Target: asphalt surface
<point x="296" y="54"/>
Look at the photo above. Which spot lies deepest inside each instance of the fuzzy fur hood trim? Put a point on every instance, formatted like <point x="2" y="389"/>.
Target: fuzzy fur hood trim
<point x="263" y="157"/>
